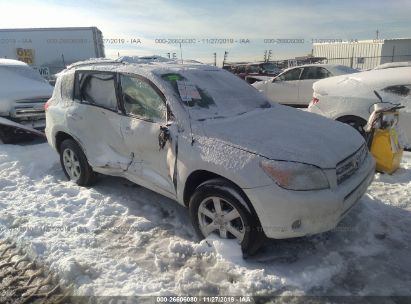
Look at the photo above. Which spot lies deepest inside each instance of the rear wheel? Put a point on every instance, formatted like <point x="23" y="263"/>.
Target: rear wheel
<point x="6" y="136"/>
<point x="218" y="208"/>
<point x="75" y="164"/>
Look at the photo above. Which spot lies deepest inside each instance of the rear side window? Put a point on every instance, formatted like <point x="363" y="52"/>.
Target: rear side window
<point x="315" y="73"/>
<point x="97" y="89"/>
<point x="293" y="74"/>
<point x="402" y="90"/>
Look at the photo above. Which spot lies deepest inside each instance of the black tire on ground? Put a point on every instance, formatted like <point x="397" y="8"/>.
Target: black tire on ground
<point x="355" y="122"/>
<point x="85" y="175"/>
<point x="230" y="198"/>
<point x="5" y="135"/>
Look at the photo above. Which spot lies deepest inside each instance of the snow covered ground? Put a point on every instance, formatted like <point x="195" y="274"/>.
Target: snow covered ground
<point x="117" y="238"/>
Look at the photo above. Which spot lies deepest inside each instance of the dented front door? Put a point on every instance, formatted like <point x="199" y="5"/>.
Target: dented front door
<point x="145" y="116"/>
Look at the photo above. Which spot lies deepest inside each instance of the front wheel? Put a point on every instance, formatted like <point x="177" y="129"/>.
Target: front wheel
<point x="218" y="208"/>
<point x="74" y="163"/>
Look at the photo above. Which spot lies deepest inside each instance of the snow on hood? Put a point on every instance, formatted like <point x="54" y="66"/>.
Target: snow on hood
<point x="283" y="133"/>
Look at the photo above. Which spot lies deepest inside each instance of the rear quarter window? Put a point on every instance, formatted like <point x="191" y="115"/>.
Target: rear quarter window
<point x="97" y="89"/>
<point x="67" y="85"/>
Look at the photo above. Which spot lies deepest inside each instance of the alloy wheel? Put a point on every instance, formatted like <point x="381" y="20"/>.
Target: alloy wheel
<point x="218" y="215"/>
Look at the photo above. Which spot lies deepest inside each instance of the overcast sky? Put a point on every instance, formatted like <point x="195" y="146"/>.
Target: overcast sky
<point x="253" y="20"/>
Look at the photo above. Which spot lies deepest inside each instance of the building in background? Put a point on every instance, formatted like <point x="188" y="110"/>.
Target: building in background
<point x="50" y="50"/>
<point x="364" y="54"/>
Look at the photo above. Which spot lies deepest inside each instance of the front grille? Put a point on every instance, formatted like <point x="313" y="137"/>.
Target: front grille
<point x="351" y="164"/>
<point x="33" y="100"/>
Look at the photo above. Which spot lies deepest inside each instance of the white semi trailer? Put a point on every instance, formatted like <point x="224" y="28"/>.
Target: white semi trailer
<point x="50" y="50"/>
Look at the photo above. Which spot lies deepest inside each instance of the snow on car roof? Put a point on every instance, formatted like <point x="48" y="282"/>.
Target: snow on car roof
<point x="363" y="83"/>
<point x="141" y="65"/>
<point x="393" y="65"/>
<point x="377" y="79"/>
<point x="336" y="69"/>
<point x="11" y="62"/>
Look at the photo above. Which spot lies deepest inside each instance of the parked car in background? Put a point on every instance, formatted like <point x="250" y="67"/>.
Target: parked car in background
<point x="293" y="87"/>
<point x="350" y="98"/>
<point x="199" y="135"/>
<point x="253" y="72"/>
<point x="23" y="93"/>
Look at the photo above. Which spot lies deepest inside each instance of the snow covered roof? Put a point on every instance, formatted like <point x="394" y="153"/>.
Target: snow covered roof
<point x="134" y="64"/>
<point x="392" y="65"/>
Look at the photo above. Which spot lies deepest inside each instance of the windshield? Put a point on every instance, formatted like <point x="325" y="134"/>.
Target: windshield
<point x="214" y="93"/>
<point x="270" y="68"/>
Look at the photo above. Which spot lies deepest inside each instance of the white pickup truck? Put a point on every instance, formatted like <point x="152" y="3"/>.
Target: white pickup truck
<point x="23" y="93"/>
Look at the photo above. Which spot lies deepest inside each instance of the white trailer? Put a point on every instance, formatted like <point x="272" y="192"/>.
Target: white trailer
<point x="364" y="54"/>
<point x="50" y="50"/>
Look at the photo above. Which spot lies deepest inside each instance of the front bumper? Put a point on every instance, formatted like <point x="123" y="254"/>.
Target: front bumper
<point x="286" y="214"/>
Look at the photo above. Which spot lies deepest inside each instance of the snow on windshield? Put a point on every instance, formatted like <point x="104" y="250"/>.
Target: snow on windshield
<point x="214" y="93"/>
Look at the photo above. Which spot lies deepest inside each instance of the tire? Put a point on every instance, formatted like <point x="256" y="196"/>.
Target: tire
<point x="243" y="224"/>
<point x="356" y="122"/>
<point x="75" y="164"/>
<point x="6" y="135"/>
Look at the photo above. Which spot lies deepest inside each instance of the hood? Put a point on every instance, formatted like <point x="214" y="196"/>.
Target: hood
<point x="283" y="133"/>
<point x="26" y="89"/>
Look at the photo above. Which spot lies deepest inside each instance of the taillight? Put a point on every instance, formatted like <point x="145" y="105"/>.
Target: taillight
<point x="315" y="100"/>
<point x="47" y="104"/>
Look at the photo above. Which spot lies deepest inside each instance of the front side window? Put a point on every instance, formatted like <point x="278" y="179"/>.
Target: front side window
<point x="293" y="74"/>
<point x="98" y="89"/>
<point x="141" y="99"/>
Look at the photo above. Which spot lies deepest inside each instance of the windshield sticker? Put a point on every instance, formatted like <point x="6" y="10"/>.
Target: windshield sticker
<point x="187" y="91"/>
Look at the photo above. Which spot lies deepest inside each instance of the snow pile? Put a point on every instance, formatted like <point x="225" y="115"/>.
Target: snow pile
<point x="117" y="238"/>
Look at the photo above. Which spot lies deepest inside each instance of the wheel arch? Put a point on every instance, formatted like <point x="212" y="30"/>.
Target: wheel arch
<point x="198" y="177"/>
<point x="60" y="137"/>
<point x="350" y="117"/>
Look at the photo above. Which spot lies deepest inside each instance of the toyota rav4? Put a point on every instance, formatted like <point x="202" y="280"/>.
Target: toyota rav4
<point x="245" y="168"/>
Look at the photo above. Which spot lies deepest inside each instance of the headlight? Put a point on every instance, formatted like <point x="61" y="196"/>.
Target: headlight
<point x="295" y="176"/>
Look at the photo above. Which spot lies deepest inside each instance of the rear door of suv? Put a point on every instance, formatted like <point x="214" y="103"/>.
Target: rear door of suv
<point x="95" y="120"/>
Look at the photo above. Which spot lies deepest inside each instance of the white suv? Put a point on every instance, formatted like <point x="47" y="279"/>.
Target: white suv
<point x="205" y="138"/>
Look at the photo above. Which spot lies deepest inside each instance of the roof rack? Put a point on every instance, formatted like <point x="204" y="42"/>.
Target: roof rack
<point x="94" y="61"/>
<point x="130" y="60"/>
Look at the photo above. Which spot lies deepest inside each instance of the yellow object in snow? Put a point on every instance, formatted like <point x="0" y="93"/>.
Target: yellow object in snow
<point x="386" y="150"/>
